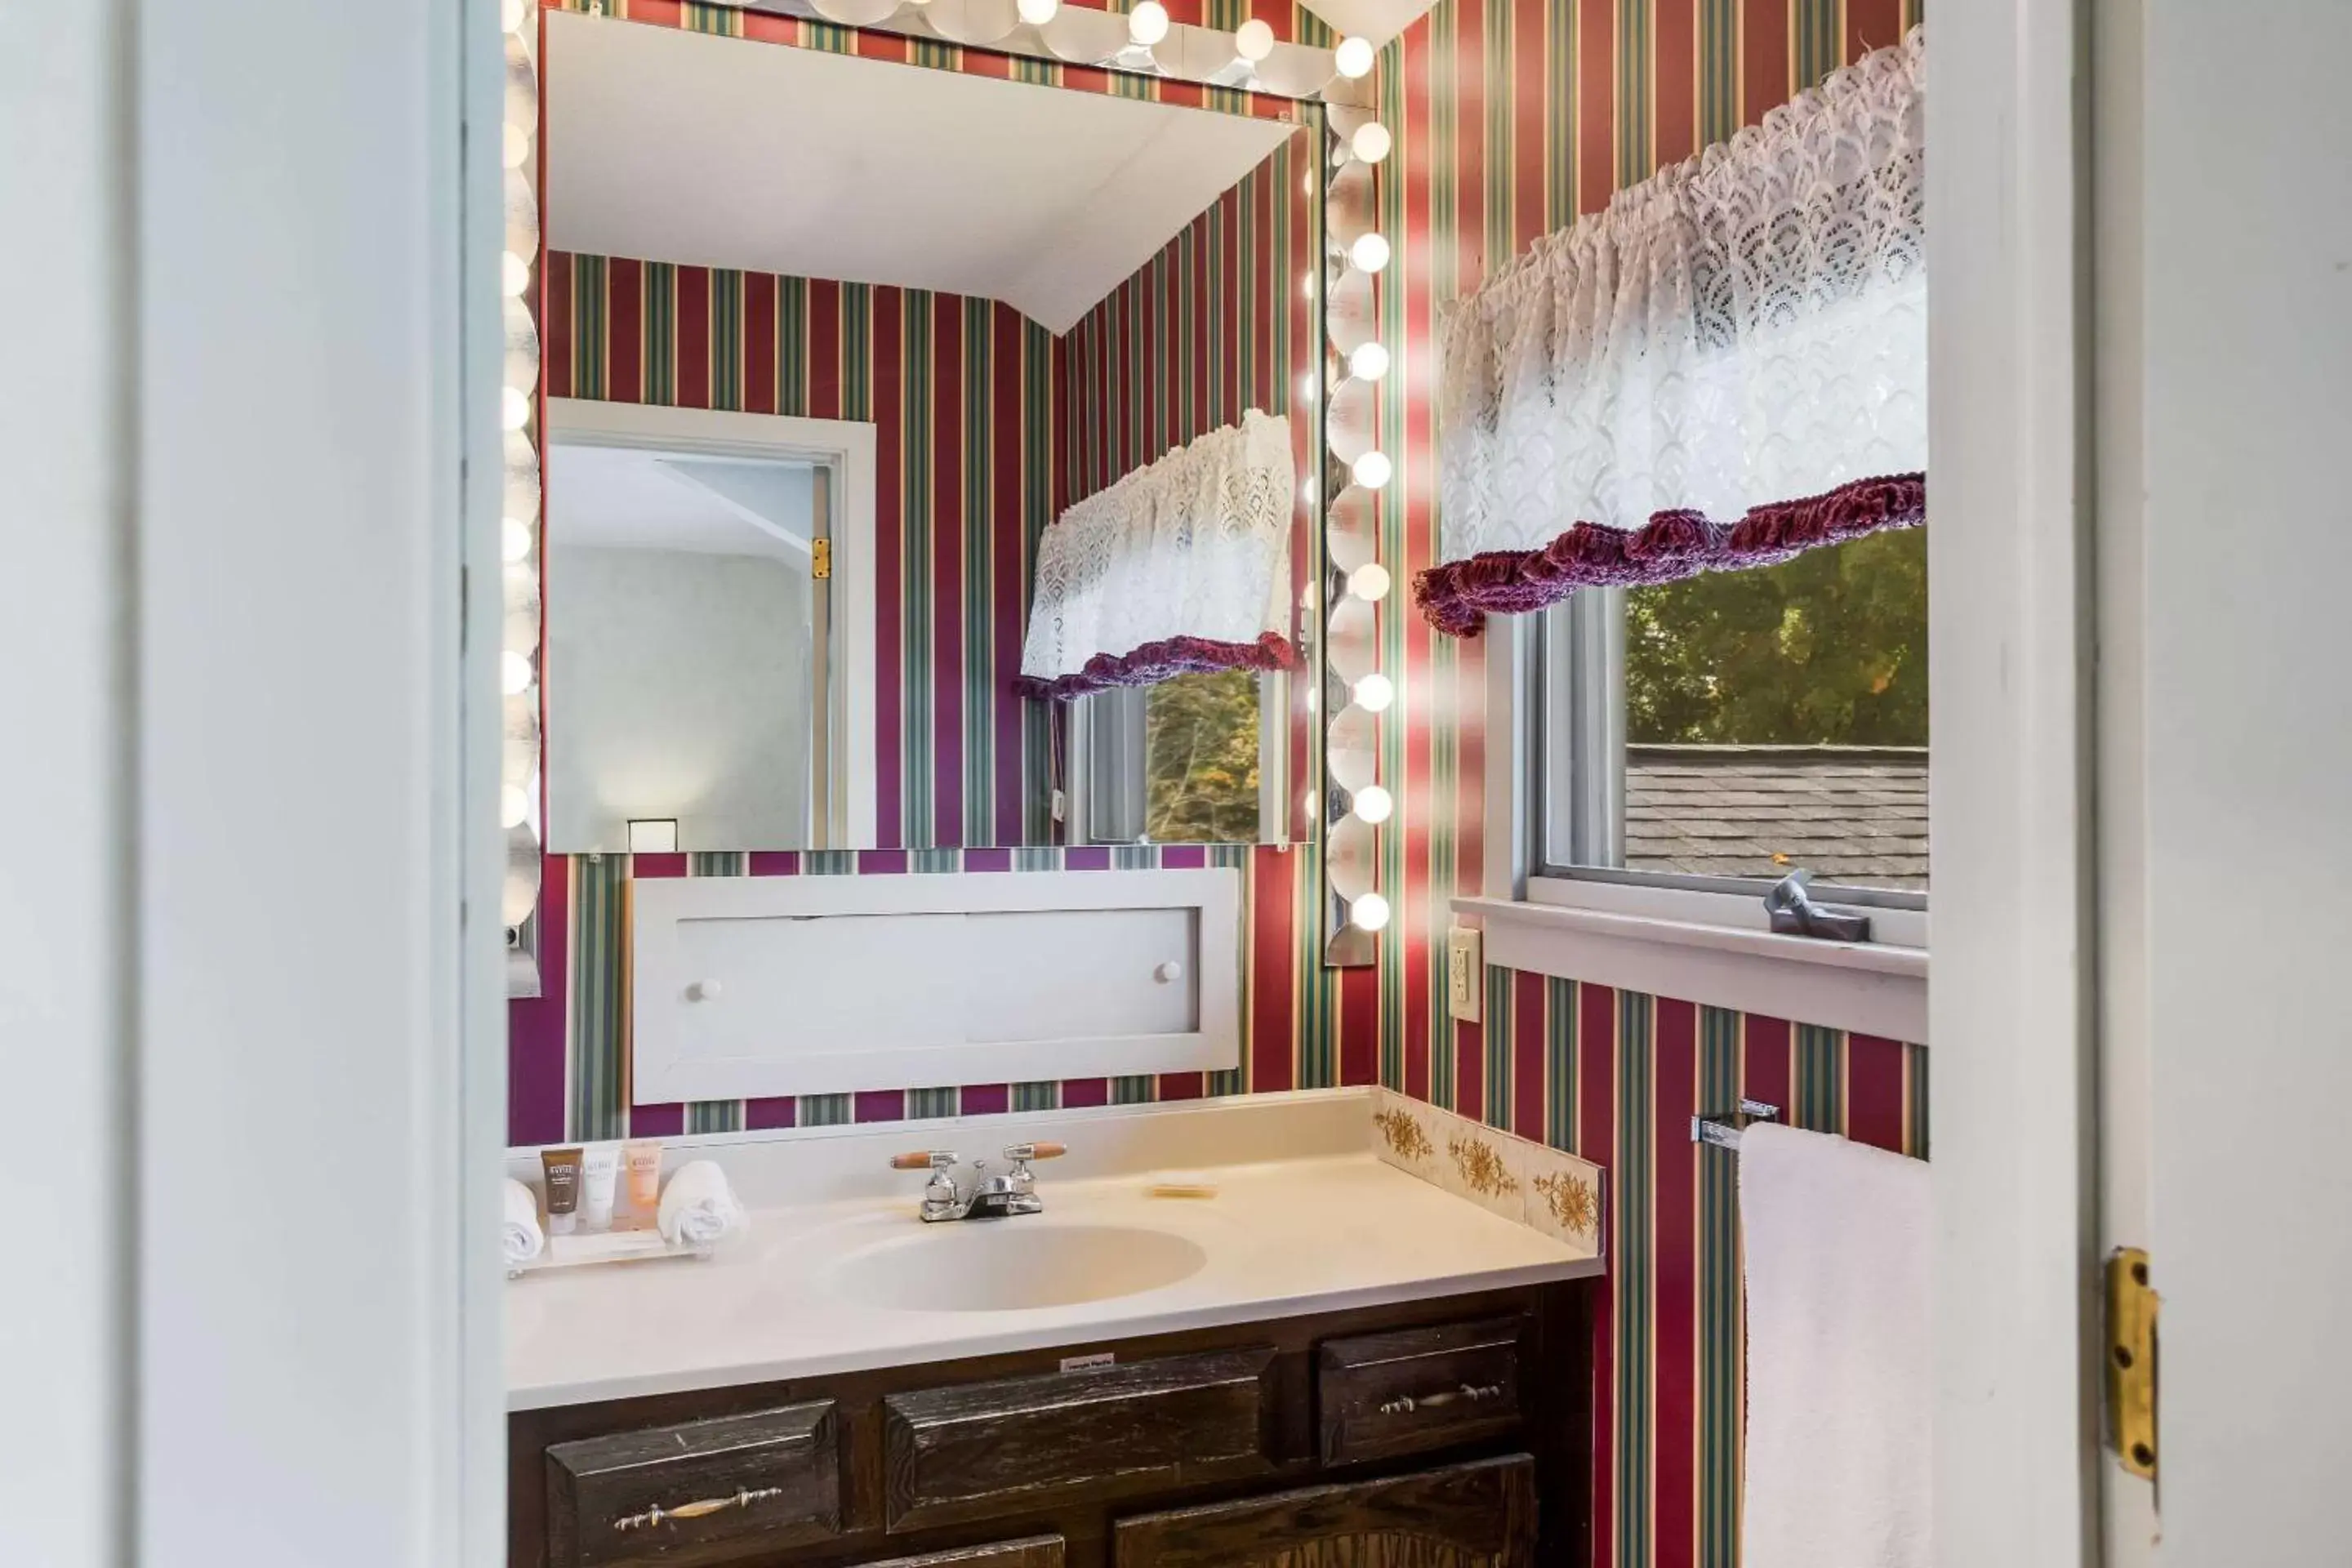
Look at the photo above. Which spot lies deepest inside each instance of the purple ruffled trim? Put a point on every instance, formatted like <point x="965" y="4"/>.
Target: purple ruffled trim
<point x="1457" y="597"/>
<point x="1157" y="661"/>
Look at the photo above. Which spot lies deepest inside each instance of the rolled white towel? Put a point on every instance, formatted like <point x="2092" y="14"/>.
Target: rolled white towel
<point x="519" y="1238"/>
<point x="698" y="1207"/>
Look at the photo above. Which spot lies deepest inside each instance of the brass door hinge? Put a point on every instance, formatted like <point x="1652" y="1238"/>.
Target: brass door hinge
<point x="820" y="559"/>
<point x="2132" y="1305"/>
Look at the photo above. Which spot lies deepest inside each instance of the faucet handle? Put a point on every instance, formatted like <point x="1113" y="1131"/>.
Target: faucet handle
<point x="923" y="1160"/>
<point x="1024" y="1152"/>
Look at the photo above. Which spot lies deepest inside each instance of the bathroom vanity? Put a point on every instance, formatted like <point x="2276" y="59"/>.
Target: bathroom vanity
<point x="1326" y="1352"/>
<point x="1450" y="1431"/>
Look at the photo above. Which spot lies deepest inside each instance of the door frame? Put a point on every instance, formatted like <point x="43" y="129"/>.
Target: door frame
<point x="2012" y="827"/>
<point x="847" y="448"/>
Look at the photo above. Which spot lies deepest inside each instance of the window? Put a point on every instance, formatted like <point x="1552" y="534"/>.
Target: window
<point x="1180" y="761"/>
<point x="1717" y="732"/>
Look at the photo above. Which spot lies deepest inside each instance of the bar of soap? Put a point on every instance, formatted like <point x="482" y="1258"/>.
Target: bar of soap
<point x="1182" y="1184"/>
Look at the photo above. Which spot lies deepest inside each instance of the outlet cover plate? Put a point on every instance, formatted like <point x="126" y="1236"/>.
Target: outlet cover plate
<point x="1465" y="975"/>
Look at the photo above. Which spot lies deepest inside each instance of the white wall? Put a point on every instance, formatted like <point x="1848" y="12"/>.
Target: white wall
<point x="2247" y="715"/>
<point x="677" y="686"/>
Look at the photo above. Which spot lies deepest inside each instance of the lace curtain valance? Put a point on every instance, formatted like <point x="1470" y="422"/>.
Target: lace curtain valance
<point x="1182" y="565"/>
<point x="1727" y="367"/>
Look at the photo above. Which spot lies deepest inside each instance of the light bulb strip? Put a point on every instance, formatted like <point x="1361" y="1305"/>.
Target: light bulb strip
<point x="520" y="520"/>
<point x="1358" y="911"/>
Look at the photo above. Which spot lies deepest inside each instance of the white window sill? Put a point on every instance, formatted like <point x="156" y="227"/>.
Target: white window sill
<point x="1637" y="939"/>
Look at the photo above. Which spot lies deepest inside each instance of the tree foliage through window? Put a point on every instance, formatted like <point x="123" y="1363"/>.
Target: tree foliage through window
<point x="1828" y="648"/>
<point x="1201" y="738"/>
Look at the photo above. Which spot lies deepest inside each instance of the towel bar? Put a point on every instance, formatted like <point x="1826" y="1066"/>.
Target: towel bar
<point x="1723" y="1131"/>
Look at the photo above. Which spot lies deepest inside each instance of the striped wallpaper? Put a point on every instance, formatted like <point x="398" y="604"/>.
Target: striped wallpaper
<point x="1510" y="116"/>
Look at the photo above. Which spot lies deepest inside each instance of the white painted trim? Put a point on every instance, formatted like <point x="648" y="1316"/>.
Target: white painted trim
<point x="1870" y="987"/>
<point x="69" y="983"/>
<point x="1889" y="928"/>
<point x="1510" y="834"/>
<point x="660" y="1073"/>
<point x="849" y="447"/>
<point x="2015" y="1428"/>
<point x="305" y="1348"/>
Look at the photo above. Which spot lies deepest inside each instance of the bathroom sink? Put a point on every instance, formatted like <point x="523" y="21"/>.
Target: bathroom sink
<point x="1012" y="1264"/>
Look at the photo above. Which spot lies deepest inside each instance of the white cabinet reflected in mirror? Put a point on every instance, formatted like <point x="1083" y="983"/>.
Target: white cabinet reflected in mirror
<point x="1043" y="387"/>
<point x="709" y="679"/>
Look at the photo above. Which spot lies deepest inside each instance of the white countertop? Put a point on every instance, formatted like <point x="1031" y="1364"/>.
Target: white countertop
<point x="1279" y="1239"/>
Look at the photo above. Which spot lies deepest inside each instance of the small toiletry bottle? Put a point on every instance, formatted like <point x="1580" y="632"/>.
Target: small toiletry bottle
<point x="600" y="1170"/>
<point x="562" y="1169"/>
<point x="642" y="1160"/>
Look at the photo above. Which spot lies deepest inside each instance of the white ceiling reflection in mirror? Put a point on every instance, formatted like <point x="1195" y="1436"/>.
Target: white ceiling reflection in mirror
<point x="693" y="148"/>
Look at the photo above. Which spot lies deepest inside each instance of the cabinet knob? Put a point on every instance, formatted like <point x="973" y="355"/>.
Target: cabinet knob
<point x="704" y="990"/>
<point x="1169" y="973"/>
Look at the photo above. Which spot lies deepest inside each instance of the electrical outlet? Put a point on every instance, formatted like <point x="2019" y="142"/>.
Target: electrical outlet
<point x="1465" y="975"/>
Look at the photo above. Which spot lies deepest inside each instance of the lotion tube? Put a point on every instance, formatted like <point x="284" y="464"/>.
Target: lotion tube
<point x="643" y="1161"/>
<point x="599" y="1169"/>
<point x="562" y="1169"/>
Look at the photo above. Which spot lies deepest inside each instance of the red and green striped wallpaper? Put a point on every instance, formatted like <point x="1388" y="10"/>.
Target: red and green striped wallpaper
<point x="1510" y="118"/>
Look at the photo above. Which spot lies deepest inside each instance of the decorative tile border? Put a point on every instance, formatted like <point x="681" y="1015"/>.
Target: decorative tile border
<point x="1545" y="1189"/>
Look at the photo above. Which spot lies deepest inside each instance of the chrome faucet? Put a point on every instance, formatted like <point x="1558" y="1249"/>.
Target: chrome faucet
<point x="989" y="1197"/>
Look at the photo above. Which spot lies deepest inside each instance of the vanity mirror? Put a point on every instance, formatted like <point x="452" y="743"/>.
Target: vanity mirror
<point x="930" y="456"/>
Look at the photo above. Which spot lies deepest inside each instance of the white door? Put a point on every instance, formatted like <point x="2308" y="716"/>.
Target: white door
<point x="2223" y="270"/>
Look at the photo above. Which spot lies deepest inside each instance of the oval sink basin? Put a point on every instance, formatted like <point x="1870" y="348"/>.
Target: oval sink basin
<point x="1011" y="1265"/>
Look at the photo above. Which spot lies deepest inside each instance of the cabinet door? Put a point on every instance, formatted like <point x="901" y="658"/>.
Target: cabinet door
<point x="1479" y="1515"/>
<point x="1036" y="1551"/>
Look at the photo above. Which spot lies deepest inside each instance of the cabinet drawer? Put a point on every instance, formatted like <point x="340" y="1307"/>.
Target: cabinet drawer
<point x="1413" y="1389"/>
<point x="1480" y="1515"/>
<point x="991" y="1450"/>
<point x="771" y="1478"/>
<point x="1037" y="1551"/>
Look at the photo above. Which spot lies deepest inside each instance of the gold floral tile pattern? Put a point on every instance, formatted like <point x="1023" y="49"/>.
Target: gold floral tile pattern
<point x="1406" y="1137"/>
<point x="1545" y="1189"/>
<point x="1484" y="1170"/>
<point x="1573" y="1203"/>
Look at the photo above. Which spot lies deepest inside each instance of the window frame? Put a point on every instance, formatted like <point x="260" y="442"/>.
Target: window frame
<point x="1692" y="937"/>
<point x="1576" y="709"/>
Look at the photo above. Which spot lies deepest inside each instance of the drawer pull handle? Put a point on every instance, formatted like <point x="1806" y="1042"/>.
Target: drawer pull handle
<point x="744" y="1498"/>
<point x="1406" y="1403"/>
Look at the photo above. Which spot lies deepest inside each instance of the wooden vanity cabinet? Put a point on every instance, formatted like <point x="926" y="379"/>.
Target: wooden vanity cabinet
<point x="1449" y="1432"/>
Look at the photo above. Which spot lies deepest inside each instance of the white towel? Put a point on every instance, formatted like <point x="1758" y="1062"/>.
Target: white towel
<point x="519" y="1238"/>
<point x="1836" y="1235"/>
<point x="698" y="1207"/>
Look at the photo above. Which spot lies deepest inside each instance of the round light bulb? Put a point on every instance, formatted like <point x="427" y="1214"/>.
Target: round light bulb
<point x="1306" y="387"/>
<point x="1354" y="59"/>
<point x="514" y="409"/>
<point x="1370" y="582"/>
<point x="1370" y="253"/>
<point x="514" y="275"/>
<point x="1370" y="142"/>
<point x="514" y="673"/>
<point x="514" y="540"/>
<point x="510" y="15"/>
<point x="1371" y="470"/>
<point x="1371" y="911"/>
<point x="1037" y="12"/>
<point x="1148" y="23"/>
<point x="514" y="805"/>
<point x="1254" y="40"/>
<point x="518" y="145"/>
<point x="1306" y="284"/>
<point x="1372" y="804"/>
<point x="1368" y="362"/>
<point x="1375" y="692"/>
